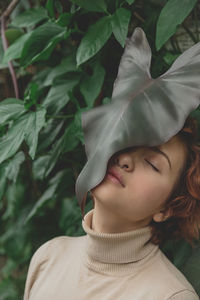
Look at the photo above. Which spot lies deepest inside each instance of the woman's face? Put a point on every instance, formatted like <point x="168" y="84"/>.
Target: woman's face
<point x="148" y="178"/>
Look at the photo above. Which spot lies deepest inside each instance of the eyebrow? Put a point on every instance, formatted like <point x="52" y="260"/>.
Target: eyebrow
<point x="157" y="150"/>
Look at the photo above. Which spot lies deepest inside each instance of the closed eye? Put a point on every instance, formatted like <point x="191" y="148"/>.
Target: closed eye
<point x="152" y="165"/>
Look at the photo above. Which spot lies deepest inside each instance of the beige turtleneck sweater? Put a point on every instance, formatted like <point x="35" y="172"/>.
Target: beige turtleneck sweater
<point x="104" y="266"/>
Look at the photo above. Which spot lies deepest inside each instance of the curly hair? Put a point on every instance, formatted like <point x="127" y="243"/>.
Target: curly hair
<point x="184" y="200"/>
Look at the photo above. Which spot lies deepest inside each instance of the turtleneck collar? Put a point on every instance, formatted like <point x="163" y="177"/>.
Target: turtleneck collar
<point x="116" y="253"/>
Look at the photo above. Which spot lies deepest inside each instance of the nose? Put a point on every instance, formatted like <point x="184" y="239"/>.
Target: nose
<point x="125" y="161"/>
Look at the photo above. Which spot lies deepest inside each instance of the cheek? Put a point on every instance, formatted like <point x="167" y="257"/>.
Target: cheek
<point x="148" y="192"/>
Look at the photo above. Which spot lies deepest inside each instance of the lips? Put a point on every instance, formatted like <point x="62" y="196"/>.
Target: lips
<point x="116" y="175"/>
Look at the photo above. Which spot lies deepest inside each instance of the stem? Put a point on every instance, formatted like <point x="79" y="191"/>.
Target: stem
<point x="5" y="15"/>
<point x="138" y="17"/>
<point x="10" y="8"/>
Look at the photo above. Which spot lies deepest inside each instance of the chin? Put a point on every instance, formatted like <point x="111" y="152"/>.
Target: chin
<point x="103" y="192"/>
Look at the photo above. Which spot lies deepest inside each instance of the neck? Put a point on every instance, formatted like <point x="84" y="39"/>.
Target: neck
<point x="115" y="252"/>
<point x="107" y="221"/>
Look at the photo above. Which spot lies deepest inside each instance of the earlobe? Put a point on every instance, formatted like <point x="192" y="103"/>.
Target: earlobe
<point x="161" y="217"/>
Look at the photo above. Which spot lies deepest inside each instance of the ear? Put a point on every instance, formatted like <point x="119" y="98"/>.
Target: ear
<point x="162" y="216"/>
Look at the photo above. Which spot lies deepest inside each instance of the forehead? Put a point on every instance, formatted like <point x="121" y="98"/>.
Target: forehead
<point x="176" y="150"/>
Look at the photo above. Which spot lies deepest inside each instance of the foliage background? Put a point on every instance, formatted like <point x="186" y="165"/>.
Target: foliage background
<point x="65" y="56"/>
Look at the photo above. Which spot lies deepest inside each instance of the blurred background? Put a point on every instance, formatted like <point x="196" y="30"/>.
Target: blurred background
<point x="57" y="59"/>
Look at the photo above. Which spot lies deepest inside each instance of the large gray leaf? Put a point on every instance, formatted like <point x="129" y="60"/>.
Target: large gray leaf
<point x="143" y="110"/>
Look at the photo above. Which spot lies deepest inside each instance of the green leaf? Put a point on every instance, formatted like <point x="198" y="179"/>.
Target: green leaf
<point x="50" y="8"/>
<point x="11" y="109"/>
<point x="3" y="181"/>
<point x="13" y="166"/>
<point x="68" y="64"/>
<point x="35" y="122"/>
<point x="49" y="133"/>
<point x="64" y="19"/>
<point x="68" y="142"/>
<point x="49" y="194"/>
<point x="58" y="95"/>
<point x="30" y="17"/>
<point x="31" y="95"/>
<point x="15" y="136"/>
<point x="168" y="20"/>
<point x="91" y="85"/>
<point x="15" y="50"/>
<point x="94" y="40"/>
<point x="130" y="1"/>
<point x="120" y="22"/>
<point x="92" y="5"/>
<point x="42" y="42"/>
<point x="39" y="166"/>
<point x="169" y="58"/>
<point x="12" y="34"/>
<point x="72" y="135"/>
<point x="27" y="127"/>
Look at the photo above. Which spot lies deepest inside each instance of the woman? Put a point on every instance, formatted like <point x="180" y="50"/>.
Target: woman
<point x="155" y="197"/>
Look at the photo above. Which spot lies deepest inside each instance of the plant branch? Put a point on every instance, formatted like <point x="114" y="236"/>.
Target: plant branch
<point x="138" y="17"/>
<point x="10" y="8"/>
<point x="5" y="15"/>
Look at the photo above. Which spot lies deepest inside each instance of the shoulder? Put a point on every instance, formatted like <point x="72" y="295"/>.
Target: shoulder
<point x="51" y="250"/>
<point x="55" y="246"/>
<point x="169" y="280"/>
<point x="42" y="254"/>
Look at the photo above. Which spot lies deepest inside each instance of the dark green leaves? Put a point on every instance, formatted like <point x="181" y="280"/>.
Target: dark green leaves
<point x="99" y="33"/>
<point x="58" y="96"/>
<point x="15" y="50"/>
<point x="94" y="40"/>
<point x="70" y="139"/>
<point x="91" y="85"/>
<point x="35" y="121"/>
<point x="30" y="17"/>
<point x="42" y="42"/>
<point x="27" y="127"/>
<point x="169" y="19"/>
<point x="120" y="22"/>
<point x="11" y="109"/>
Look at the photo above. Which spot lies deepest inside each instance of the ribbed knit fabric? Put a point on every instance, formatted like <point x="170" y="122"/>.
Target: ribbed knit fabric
<point x="104" y="266"/>
<point x="116" y="253"/>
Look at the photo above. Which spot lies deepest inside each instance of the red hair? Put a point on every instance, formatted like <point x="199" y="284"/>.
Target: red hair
<point x="184" y="201"/>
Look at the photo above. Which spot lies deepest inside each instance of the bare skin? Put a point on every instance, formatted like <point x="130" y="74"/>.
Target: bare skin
<point x="120" y="209"/>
